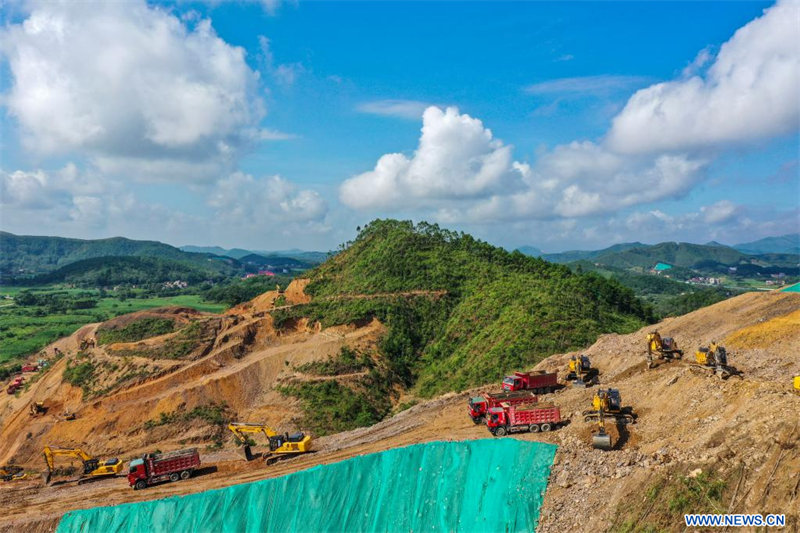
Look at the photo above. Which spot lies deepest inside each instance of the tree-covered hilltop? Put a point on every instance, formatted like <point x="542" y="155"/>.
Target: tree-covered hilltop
<point x="459" y="311"/>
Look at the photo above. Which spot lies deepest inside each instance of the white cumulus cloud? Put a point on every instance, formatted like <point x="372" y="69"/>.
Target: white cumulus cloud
<point x="460" y="172"/>
<point x="750" y="91"/>
<point x="242" y="199"/>
<point x="457" y="157"/>
<point x="126" y="82"/>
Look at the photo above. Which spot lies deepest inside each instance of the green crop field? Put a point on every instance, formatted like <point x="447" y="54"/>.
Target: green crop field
<point x="24" y="330"/>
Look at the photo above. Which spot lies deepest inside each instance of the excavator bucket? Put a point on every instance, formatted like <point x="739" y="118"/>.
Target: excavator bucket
<point x="579" y="383"/>
<point x="601" y="441"/>
<point x="248" y="454"/>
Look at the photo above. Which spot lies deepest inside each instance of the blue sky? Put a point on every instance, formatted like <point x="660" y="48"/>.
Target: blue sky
<point x="272" y="125"/>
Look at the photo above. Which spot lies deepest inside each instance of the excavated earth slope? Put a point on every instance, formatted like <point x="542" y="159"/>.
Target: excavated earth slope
<point x="745" y="430"/>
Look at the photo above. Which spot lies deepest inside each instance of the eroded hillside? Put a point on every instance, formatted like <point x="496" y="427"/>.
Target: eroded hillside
<point x="700" y="443"/>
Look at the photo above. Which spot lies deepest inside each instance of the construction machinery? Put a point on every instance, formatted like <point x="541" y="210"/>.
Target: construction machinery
<point x="281" y="446"/>
<point x="797" y="384"/>
<point x="715" y="358"/>
<point x="539" y="382"/>
<point x="665" y="348"/>
<point x="510" y="419"/>
<point x="38" y="408"/>
<point x="92" y="468"/>
<point x="15" y="385"/>
<point x="480" y="405"/>
<point x="153" y="468"/>
<point x="12" y="473"/>
<point x="607" y="403"/>
<point x="580" y="371"/>
<point x="601" y="440"/>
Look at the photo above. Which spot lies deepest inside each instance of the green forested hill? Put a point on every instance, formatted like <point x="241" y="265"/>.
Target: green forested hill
<point x="23" y="256"/>
<point x="110" y="271"/>
<point x="502" y="311"/>
<point x="785" y="244"/>
<point x="676" y="254"/>
<point x="578" y="255"/>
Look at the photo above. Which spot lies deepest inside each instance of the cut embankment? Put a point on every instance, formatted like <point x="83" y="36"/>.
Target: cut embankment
<point x="480" y="485"/>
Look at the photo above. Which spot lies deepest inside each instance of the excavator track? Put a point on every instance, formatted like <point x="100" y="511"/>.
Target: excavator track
<point x="594" y="416"/>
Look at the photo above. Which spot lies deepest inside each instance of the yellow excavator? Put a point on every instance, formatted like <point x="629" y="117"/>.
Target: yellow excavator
<point x="797" y="384"/>
<point x="281" y="446"/>
<point x="92" y="468"/>
<point x="665" y="348"/>
<point x="580" y="371"/>
<point x="12" y="473"/>
<point x="607" y="404"/>
<point x="37" y="408"/>
<point x="715" y="357"/>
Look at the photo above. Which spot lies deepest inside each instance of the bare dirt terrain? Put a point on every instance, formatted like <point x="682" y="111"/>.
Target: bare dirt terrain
<point x="688" y="420"/>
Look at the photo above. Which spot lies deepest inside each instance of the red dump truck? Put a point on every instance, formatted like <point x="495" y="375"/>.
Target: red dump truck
<point x="503" y="420"/>
<point x="156" y="467"/>
<point x="479" y="405"/>
<point x="16" y="384"/>
<point x="30" y="367"/>
<point x="538" y="382"/>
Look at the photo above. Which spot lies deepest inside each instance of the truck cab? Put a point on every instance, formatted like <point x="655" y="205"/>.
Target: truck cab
<point x="511" y="383"/>
<point x="477" y="408"/>
<point x="496" y="417"/>
<point x="137" y="472"/>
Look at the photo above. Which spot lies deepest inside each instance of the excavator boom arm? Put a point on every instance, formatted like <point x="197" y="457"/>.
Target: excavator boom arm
<point x="239" y="430"/>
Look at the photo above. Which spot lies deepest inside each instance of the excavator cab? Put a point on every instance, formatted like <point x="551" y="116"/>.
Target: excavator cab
<point x="296" y="437"/>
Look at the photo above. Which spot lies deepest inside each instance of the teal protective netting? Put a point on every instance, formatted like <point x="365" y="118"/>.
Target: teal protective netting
<point x="480" y="485"/>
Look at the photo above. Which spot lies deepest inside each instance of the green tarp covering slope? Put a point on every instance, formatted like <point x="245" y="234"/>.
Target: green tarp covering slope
<point x="480" y="485"/>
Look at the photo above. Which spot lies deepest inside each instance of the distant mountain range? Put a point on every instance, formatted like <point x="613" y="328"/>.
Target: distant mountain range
<point x="785" y="244"/>
<point x="238" y="253"/>
<point x="25" y="257"/>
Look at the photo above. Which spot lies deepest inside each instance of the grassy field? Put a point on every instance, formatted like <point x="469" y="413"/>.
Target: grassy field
<point x="26" y="330"/>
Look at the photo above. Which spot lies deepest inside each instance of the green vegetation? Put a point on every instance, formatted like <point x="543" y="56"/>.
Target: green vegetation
<point x="732" y="268"/>
<point x="700" y="297"/>
<point x="23" y="257"/>
<point x="26" y="329"/>
<point x="238" y="291"/>
<point x="668" y="499"/>
<point x="80" y="374"/>
<point x="139" y="271"/>
<point x="136" y="331"/>
<point x="215" y="414"/>
<point x="666" y="296"/>
<point x="186" y="341"/>
<point x="486" y="311"/>
<point x="331" y="407"/>
<point x="676" y="254"/>
<point x="347" y="361"/>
